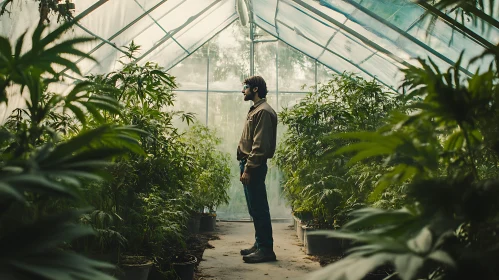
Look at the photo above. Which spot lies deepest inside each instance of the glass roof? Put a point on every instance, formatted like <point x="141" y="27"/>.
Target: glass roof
<point x="371" y="37"/>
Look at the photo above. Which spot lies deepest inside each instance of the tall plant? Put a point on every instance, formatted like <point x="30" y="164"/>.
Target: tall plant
<point x="446" y="152"/>
<point x="146" y="191"/>
<point x="40" y="167"/>
<point x="211" y="178"/>
<point x="322" y="185"/>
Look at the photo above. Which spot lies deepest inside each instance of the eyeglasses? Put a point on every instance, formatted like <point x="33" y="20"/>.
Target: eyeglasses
<point x="245" y="87"/>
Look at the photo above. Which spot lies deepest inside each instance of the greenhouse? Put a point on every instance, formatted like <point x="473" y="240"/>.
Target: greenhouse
<point x="122" y="155"/>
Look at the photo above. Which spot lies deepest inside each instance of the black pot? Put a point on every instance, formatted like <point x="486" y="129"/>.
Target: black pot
<point x="300" y="232"/>
<point x="193" y="224"/>
<point x="322" y="244"/>
<point x="135" y="271"/>
<point x="317" y="244"/>
<point x="185" y="270"/>
<point x="207" y="223"/>
<point x="155" y="274"/>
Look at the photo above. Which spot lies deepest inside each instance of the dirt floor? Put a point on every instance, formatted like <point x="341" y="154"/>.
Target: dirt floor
<point x="224" y="262"/>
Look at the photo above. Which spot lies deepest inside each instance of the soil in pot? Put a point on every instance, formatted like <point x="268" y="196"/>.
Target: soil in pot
<point x="208" y="222"/>
<point x="183" y="266"/>
<point x="135" y="268"/>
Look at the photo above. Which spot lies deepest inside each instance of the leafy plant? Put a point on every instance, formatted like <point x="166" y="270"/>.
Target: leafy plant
<point x="211" y="178"/>
<point x="40" y="170"/>
<point x="321" y="184"/>
<point x="445" y="153"/>
<point x="146" y="191"/>
<point x="45" y="8"/>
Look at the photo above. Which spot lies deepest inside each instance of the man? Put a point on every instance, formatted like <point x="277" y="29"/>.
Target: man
<point x="257" y="144"/>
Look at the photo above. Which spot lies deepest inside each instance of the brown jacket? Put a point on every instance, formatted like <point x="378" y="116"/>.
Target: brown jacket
<point x="258" y="141"/>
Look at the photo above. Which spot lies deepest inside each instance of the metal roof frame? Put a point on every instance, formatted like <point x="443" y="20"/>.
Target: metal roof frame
<point x="310" y="11"/>
<point x="404" y="33"/>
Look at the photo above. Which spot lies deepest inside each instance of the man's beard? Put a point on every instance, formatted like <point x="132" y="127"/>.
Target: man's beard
<point x="249" y="96"/>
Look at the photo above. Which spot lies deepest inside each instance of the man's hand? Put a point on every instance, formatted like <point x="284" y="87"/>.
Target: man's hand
<point x="245" y="178"/>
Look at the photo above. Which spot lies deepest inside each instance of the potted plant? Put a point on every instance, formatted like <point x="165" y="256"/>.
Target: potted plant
<point x="183" y="265"/>
<point x="211" y="179"/>
<point x="208" y="222"/>
<point x="194" y="222"/>
<point x="135" y="268"/>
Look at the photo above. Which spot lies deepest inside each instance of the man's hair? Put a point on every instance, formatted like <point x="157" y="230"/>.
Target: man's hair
<point x="257" y="81"/>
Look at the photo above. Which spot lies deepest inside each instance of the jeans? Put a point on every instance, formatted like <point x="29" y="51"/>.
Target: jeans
<point x="258" y="206"/>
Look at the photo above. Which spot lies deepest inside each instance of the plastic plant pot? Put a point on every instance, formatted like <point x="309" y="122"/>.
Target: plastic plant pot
<point x="184" y="268"/>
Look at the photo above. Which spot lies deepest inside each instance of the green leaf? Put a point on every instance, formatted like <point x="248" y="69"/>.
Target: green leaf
<point x="408" y="265"/>
<point x="38" y="183"/>
<point x="370" y="217"/>
<point x="377" y="151"/>
<point x="5" y="51"/>
<point x="442" y="257"/>
<point x="19" y="45"/>
<point x="80" y="115"/>
<point x="422" y="243"/>
<point x="8" y="190"/>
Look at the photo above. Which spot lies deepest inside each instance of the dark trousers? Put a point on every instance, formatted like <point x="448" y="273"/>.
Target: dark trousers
<point x="258" y="206"/>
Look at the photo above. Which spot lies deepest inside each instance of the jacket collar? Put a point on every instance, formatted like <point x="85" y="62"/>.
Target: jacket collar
<point x="258" y="103"/>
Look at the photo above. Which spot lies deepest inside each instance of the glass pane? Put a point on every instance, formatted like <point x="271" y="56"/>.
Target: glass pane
<point x="191" y="72"/>
<point x="305" y="23"/>
<point x="181" y="15"/>
<point x="383" y="70"/>
<point x="166" y="54"/>
<point x="107" y="58"/>
<point x="296" y="70"/>
<point x="265" y="63"/>
<point x="213" y="20"/>
<point x="265" y="25"/>
<point x="229" y="58"/>
<point x="323" y="73"/>
<point x="418" y="38"/>
<point x="111" y="17"/>
<point x="265" y="9"/>
<point x="144" y="33"/>
<point x="194" y="102"/>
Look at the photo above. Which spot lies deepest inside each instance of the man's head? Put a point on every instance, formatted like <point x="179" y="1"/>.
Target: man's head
<point x="254" y="86"/>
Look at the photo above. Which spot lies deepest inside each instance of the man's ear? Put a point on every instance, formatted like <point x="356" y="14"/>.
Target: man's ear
<point x="255" y="89"/>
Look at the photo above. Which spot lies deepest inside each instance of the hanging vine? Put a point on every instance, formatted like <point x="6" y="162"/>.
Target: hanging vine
<point x="61" y="8"/>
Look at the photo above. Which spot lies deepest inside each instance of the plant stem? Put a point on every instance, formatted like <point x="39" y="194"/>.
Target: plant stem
<point x="470" y="152"/>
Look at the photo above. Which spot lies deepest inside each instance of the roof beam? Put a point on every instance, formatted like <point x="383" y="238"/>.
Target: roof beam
<point x="89" y="10"/>
<point x="463" y="29"/>
<point x="159" y="25"/>
<point x="104" y="41"/>
<point x="78" y="18"/>
<point x="393" y="27"/>
<point x="175" y="31"/>
<point x="473" y="9"/>
<point x="123" y="30"/>
<point x="353" y="32"/>
<point x="209" y="39"/>
<point x="338" y="55"/>
<point x="293" y="47"/>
